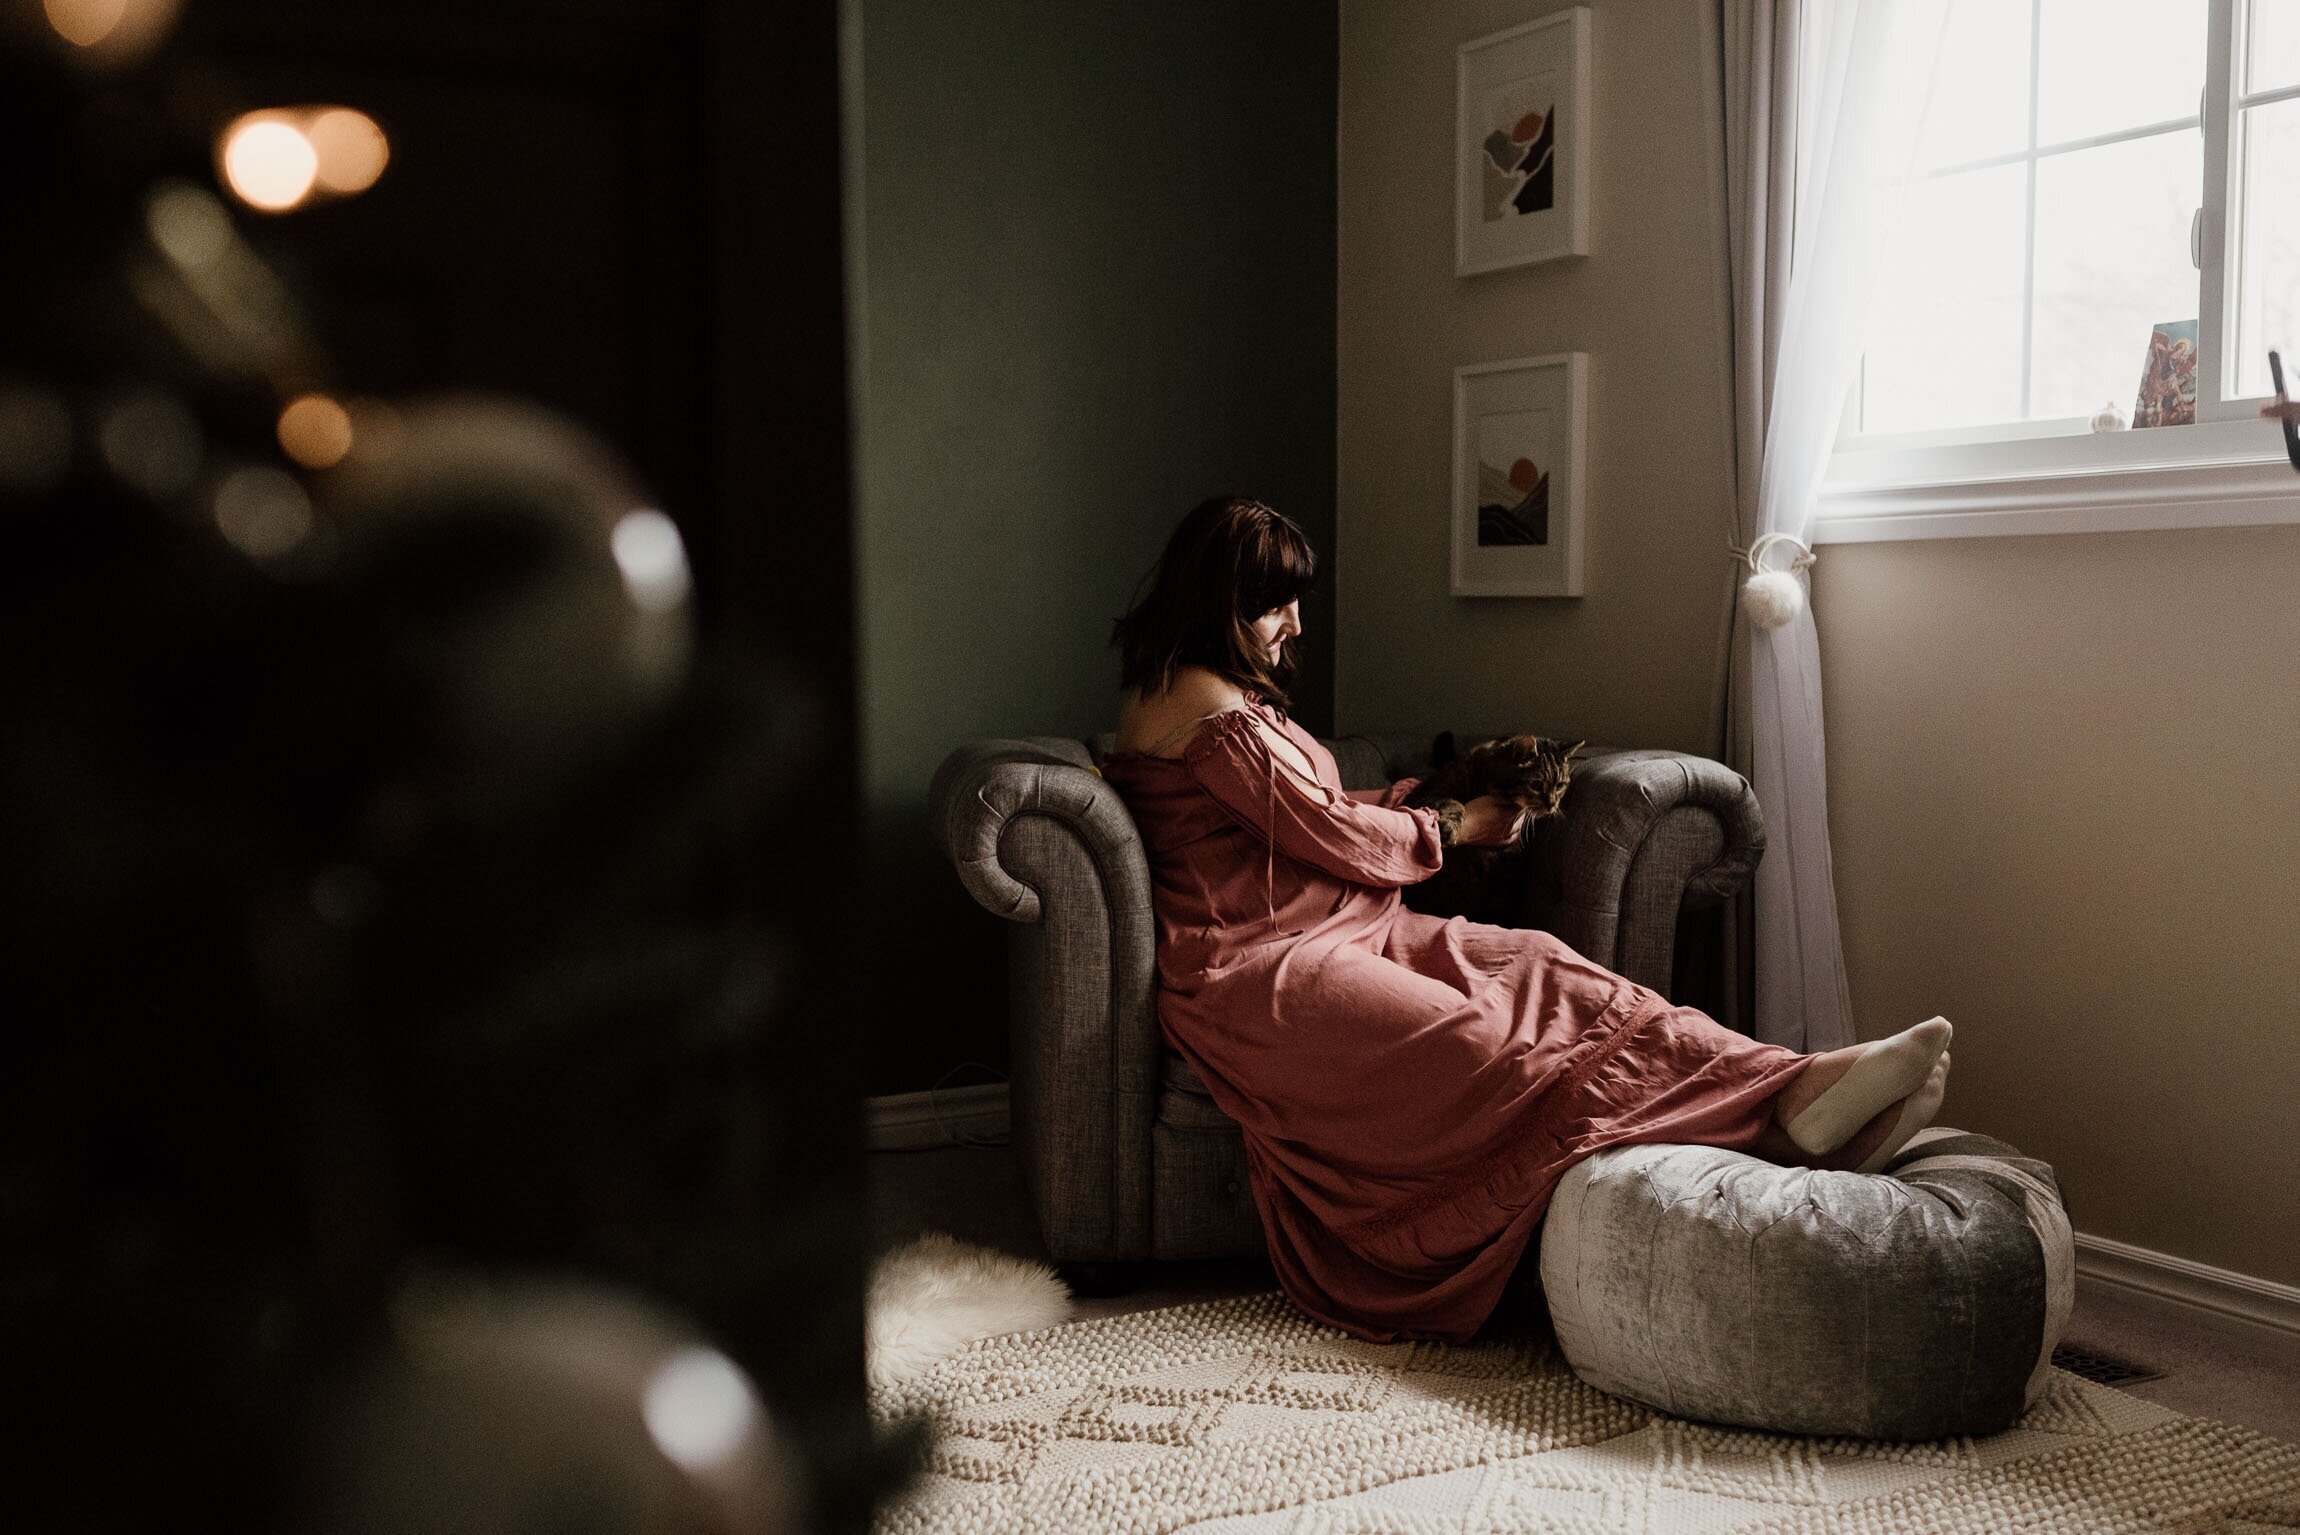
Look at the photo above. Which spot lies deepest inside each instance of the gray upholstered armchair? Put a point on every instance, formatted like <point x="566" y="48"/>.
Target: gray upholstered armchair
<point x="1125" y="1156"/>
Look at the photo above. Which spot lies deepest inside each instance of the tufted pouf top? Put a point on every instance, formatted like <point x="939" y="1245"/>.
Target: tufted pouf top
<point x="1917" y="1303"/>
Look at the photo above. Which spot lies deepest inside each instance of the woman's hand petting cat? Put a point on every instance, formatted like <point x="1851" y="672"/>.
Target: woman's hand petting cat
<point x="1491" y="821"/>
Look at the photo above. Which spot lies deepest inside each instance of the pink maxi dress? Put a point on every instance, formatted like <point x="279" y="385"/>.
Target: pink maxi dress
<point x="1411" y="1088"/>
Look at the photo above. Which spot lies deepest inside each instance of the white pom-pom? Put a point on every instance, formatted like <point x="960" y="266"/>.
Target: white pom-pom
<point x="1772" y="598"/>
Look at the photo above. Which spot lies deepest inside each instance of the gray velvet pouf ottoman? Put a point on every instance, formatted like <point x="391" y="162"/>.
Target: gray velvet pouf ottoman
<point x="1917" y="1303"/>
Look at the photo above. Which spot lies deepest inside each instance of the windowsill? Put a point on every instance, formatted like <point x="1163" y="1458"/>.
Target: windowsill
<point x="2216" y="474"/>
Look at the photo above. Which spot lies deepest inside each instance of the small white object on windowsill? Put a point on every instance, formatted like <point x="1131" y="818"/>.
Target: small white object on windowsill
<point x="2109" y="419"/>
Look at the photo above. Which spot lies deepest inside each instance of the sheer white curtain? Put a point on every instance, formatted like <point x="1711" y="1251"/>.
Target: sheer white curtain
<point x="1818" y="107"/>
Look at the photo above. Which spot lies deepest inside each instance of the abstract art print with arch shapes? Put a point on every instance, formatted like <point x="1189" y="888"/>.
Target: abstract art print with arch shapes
<point x="1521" y="144"/>
<point x="1518" y="430"/>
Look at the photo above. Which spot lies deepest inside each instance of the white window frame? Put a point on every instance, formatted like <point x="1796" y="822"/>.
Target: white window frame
<point x="2059" y="476"/>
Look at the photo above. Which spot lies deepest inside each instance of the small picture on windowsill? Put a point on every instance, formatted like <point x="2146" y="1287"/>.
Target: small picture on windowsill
<point x="2168" y="378"/>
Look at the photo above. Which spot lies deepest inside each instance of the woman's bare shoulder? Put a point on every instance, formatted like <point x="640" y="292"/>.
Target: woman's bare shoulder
<point x="1157" y="722"/>
<point x="1199" y="690"/>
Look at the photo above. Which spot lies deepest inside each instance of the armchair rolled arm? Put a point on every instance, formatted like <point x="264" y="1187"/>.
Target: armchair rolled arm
<point x="1039" y="839"/>
<point x="1642" y="836"/>
<point x="982" y="786"/>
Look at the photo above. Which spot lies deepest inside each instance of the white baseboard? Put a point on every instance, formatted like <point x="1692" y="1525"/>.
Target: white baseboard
<point x="2163" y="1279"/>
<point x="950" y="1116"/>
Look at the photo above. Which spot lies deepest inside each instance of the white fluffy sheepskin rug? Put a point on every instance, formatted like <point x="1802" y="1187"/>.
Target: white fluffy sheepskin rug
<point x="931" y="1298"/>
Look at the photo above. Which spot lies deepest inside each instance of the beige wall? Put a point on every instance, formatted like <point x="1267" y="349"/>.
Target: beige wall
<point x="1632" y="662"/>
<point x="2065" y="772"/>
<point x="2064" y="781"/>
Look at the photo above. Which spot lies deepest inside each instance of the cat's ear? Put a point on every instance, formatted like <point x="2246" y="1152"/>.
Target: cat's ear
<point x="1576" y="746"/>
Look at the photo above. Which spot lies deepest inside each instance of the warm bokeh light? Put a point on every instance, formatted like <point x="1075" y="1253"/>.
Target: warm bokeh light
<point x="315" y="431"/>
<point x="85" y="23"/>
<point x="268" y="163"/>
<point x="282" y="157"/>
<point x="351" y="148"/>
<point x="109" y="32"/>
<point x="653" y="559"/>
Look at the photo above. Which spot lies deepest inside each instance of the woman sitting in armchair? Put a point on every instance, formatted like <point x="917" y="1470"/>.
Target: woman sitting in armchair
<point x="1410" y="1088"/>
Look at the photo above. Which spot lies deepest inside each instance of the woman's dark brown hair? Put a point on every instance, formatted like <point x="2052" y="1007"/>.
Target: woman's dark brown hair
<point x="1232" y="560"/>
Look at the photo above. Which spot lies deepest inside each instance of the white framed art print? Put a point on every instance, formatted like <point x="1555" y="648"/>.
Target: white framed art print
<point x="1521" y="144"/>
<point x="1518" y="429"/>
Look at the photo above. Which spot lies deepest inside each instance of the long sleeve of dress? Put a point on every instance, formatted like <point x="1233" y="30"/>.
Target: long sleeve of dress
<point x="1388" y="795"/>
<point x="1367" y="844"/>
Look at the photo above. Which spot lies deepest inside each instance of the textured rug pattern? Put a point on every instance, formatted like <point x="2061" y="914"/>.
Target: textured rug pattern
<point x="1244" y="1418"/>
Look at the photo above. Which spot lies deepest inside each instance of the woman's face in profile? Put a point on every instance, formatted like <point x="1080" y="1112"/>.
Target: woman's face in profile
<point x="1277" y="626"/>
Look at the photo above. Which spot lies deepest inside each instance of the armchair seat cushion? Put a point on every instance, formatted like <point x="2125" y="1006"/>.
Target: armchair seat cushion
<point x="1184" y="1103"/>
<point x="1176" y="1075"/>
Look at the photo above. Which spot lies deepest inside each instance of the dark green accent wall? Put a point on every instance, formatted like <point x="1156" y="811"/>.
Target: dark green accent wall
<point x="1098" y="255"/>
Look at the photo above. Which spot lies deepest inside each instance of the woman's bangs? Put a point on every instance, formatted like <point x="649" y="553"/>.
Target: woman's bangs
<point x="1281" y="567"/>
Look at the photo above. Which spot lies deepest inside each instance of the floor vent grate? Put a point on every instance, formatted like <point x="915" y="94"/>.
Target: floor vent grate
<point x="2106" y="1369"/>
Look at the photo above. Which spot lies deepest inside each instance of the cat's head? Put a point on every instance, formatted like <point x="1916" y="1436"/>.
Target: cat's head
<point x="1530" y="769"/>
<point x="1550" y="769"/>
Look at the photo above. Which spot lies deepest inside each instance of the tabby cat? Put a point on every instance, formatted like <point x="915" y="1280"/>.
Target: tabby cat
<point x="1527" y="770"/>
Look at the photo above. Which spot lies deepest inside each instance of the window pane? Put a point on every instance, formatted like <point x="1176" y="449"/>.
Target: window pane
<point x="1980" y="91"/>
<point x="1945" y="332"/>
<point x="2111" y="262"/>
<point x="2274" y="47"/>
<point x="2268" y="293"/>
<point x="2110" y="64"/>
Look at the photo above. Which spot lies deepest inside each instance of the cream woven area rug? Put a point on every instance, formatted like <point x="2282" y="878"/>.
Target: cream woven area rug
<point x="1241" y="1416"/>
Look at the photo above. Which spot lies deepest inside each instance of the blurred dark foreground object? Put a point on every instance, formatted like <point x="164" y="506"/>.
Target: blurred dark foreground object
<point x="557" y="1408"/>
<point x="371" y="921"/>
